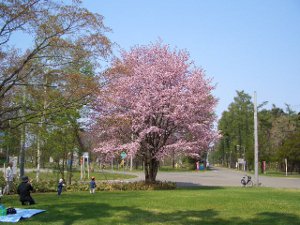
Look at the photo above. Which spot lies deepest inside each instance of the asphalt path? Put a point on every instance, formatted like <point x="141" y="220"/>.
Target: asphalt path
<point x="219" y="177"/>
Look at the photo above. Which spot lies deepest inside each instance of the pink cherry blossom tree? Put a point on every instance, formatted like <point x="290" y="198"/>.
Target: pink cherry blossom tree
<point x="155" y="102"/>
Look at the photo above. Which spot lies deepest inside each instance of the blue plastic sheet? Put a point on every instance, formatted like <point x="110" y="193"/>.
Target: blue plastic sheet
<point x="21" y="214"/>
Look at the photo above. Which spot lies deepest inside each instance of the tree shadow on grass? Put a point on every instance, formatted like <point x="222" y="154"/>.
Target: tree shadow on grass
<point x="191" y="186"/>
<point x="104" y="213"/>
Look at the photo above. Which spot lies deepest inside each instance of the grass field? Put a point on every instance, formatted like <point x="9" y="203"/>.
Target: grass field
<point x="206" y="205"/>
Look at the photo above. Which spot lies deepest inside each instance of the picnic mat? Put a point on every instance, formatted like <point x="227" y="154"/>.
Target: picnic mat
<point x="21" y="214"/>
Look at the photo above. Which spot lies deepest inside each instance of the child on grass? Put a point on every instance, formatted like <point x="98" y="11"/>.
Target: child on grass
<point x="92" y="186"/>
<point x="60" y="186"/>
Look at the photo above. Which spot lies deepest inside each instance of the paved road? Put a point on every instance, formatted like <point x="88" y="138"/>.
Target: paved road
<point x="220" y="177"/>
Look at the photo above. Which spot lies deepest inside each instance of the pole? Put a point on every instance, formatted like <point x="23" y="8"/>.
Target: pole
<point x="285" y="160"/>
<point x="244" y="159"/>
<point x="37" y="175"/>
<point x="81" y="166"/>
<point x="256" y="181"/>
<point x="9" y="142"/>
<point x="88" y="166"/>
<point x="131" y="159"/>
<point x="23" y="136"/>
<point x="40" y="131"/>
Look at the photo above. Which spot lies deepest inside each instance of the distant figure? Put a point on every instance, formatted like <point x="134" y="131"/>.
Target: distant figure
<point x="24" y="190"/>
<point x="60" y="186"/>
<point x="92" y="185"/>
<point x="9" y="177"/>
<point x="122" y="163"/>
<point x="197" y="165"/>
<point x="207" y="164"/>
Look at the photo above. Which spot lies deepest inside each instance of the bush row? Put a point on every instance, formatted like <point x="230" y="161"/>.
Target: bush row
<point x="51" y="186"/>
<point x="125" y="186"/>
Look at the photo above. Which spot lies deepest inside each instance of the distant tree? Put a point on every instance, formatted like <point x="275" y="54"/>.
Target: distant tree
<point x="290" y="150"/>
<point x="61" y="142"/>
<point x="155" y="103"/>
<point x="236" y="126"/>
<point x="266" y="152"/>
<point x="284" y="133"/>
<point x="62" y="35"/>
<point x="282" y="127"/>
<point x="277" y="133"/>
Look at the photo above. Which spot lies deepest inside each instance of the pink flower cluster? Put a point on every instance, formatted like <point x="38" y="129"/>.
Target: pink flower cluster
<point x="160" y="103"/>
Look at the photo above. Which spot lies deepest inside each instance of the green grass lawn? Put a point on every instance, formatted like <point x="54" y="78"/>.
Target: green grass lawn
<point x="233" y="206"/>
<point x="281" y="174"/>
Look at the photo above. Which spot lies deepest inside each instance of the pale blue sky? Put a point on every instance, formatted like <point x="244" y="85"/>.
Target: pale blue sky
<point x="250" y="45"/>
<point x="243" y="45"/>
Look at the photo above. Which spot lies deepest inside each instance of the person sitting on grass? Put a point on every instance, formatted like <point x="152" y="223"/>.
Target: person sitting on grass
<point x="24" y="190"/>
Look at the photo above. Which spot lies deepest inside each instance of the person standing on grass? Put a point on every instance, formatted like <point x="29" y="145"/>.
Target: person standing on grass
<point x="24" y="190"/>
<point x="9" y="177"/>
<point x="92" y="185"/>
<point x="60" y="186"/>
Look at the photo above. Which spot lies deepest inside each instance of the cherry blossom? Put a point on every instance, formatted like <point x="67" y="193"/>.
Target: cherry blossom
<point x="155" y="102"/>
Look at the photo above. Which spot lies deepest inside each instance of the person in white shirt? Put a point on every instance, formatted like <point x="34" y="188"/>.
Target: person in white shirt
<point x="9" y="177"/>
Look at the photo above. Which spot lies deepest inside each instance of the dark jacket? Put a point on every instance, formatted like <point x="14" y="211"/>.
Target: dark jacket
<point x="24" y="190"/>
<point x="93" y="184"/>
<point x="60" y="185"/>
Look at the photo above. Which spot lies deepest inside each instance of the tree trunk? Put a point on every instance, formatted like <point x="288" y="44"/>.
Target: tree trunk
<point x="173" y="159"/>
<point x="151" y="168"/>
<point x="70" y="168"/>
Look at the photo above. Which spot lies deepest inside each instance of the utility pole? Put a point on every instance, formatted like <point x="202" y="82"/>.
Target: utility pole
<point x="255" y="143"/>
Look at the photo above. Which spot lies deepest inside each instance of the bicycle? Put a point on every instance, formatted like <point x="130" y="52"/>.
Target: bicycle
<point x="246" y="181"/>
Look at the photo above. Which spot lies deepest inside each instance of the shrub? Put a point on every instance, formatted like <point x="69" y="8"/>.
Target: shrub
<point x="51" y="186"/>
<point x="132" y="186"/>
<point x="2" y="180"/>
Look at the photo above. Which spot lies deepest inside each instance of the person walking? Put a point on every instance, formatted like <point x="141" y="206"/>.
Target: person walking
<point x="9" y="177"/>
<point x="24" y="190"/>
<point x="60" y="186"/>
<point x="92" y="186"/>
